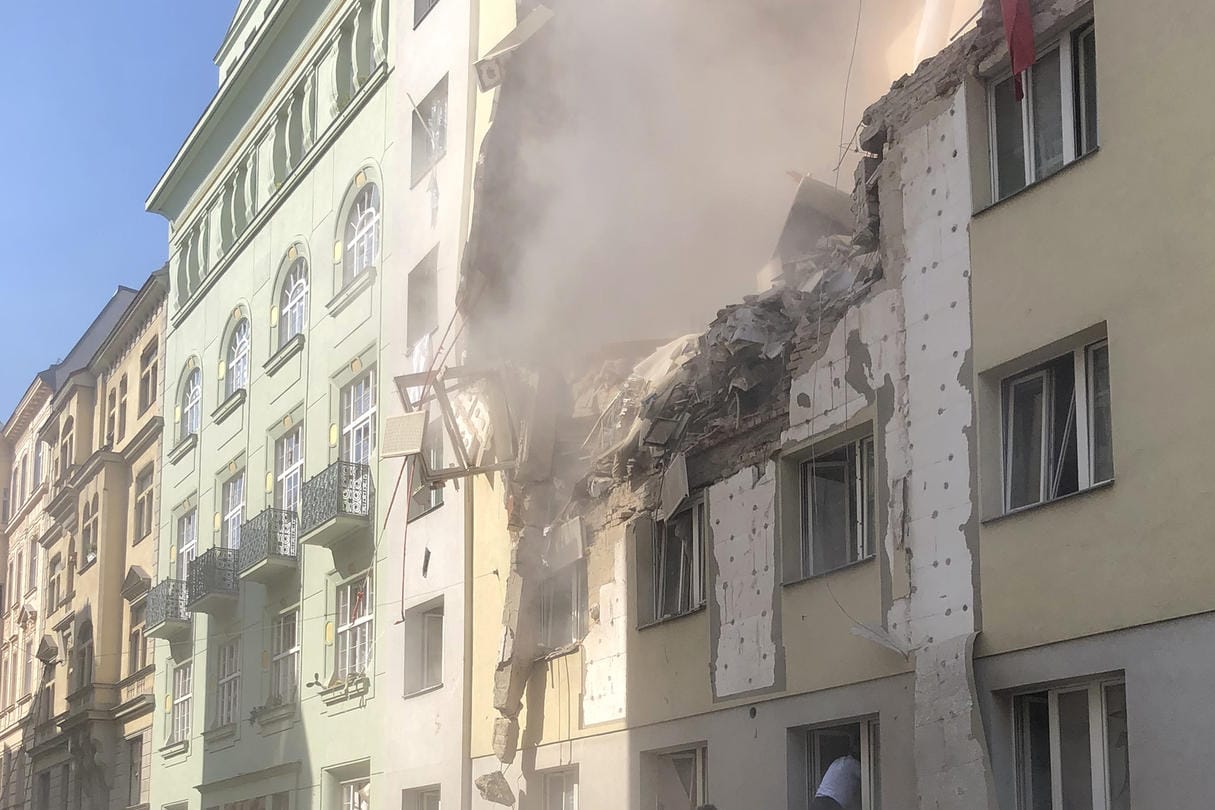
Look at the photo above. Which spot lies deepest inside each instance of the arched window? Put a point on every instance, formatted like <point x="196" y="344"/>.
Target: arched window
<point x="191" y="404"/>
<point x="238" y="359"/>
<point x="293" y="302"/>
<point x="361" y="239"/>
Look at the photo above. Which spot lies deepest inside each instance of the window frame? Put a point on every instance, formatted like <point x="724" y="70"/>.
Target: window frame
<point x="435" y="147"/>
<point x="863" y="528"/>
<point x="148" y="373"/>
<point x="358" y="428"/>
<point x="871" y="764"/>
<point x="137" y="639"/>
<point x="232" y="511"/>
<point x="293" y="301"/>
<point x="285" y="660"/>
<point x="348" y="793"/>
<point x="135" y="770"/>
<point x="697" y="569"/>
<point x="182" y="697"/>
<point x="145" y="491"/>
<point x="227" y="680"/>
<point x="576" y="572"/>
<point x="237" y="358"/>
<point x="564" y="775"/>
<point x="361" y="233"/>
<point x="353" y="635"/>
<point x="1085" y="392"/>
<point x="191" y="404"/>
<point x="289" y="472"/>
<point x="1070" y="93"/>
<point x="186" y="549"/>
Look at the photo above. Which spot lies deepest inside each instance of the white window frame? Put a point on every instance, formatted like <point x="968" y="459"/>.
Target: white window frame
<point x="187" y="542"/>
<point x="1083" y="384"/>
<point x="861" y="545"/>
<point x="429" y="655"/>
<point x="574" y="575"/>
<point x="183" y="693"/>
<point x="227" y="673"/>
<point x="289" y="469"/>
<point x="696" y="571"/>
<point x="565" y="775"/>
<point x="870" y="740"/>
<point x="237" y="375"/>
<point x="191" y="404"/>
<point x="358" y="403"/>
<point x="293" y="302"/>
<point x="145" y="518"/>
<point x="362" y="229"/>
<point x="285" y="658"/>
<point x="699" y="758"/>
<point x="348" y="792"/>
<point x="352" y="645"/>
<point x="1098" y="730"/>
<point x="233" y="510"/>
<point x="1065" y="44"/>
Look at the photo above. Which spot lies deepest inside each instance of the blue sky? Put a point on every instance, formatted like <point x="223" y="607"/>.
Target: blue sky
<point x="97" y="98"/>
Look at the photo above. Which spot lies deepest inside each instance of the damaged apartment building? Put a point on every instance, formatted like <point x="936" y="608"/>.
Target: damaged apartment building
<point x="871" y="508"/>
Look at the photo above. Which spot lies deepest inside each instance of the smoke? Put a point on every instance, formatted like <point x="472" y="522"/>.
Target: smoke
<point x="656" y="152"/>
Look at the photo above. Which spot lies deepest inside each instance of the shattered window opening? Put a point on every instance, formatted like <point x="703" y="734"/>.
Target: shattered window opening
<point x="1051" y="424"/>
<point x="429" y="130"/>
<point x="838" y="507"/>
<point x="1055" y="123"/>
<point x="1071" y="748"/>
<point x="679" y="779"/>
<point x="858" y="746"/>
<point x="426" y="496"/>
<point x="422" y="307"/>
<point x="679" y="564"/>
<point x="563" y="607"/>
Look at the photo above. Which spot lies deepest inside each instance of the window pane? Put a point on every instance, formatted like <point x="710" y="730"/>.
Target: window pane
<point x="1026" y="399"/>
<point x="1010" y="140"/>
<point x="1086" y="90"/>
<point x="1119" y="763"/>
<point x="1033" y="752"/>
<point x="1075" y="764"/>
<point x="434" y="649"/>
<point x="828" y="485"/>
<point x="1046" y="92"/>
<point x="1102" y="425"/>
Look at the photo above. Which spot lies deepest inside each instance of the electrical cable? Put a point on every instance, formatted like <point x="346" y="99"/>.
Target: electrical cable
<point x="856" y="35"/>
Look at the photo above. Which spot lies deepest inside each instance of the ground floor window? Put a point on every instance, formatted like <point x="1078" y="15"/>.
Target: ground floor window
<point x="678" y="780"/>
<point x="356" y="794"/>
<point x="843" y="766"/>
<point x="1071" y="748"/>
<point x="561" y="790"/>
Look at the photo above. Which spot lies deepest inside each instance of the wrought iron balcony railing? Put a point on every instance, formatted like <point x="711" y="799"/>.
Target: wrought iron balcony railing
<point x="269" y="543"/>
<point x="339" y="496"/>
<point x="212" y="579"/>
<point x="167" y="611"/>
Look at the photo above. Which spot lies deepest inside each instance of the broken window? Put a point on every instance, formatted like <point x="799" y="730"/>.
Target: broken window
<point x="563" y="606"/>
<point x="843" y="764"/>
<point x="424" y="647"/>
<point x="420" y="9"/>
<point x="427" y="495"/>
<point x="676" y="780"/>
<point x="1071" y="748"/>
<point x="561" y="790"/>
<point x="839" y="518"/>
<point x="1055" y="122"/>
<point x="679" y="563"/>
<point x="1058" y="434"/>
<point x="423" y="301"/>
<point x="430" y="130"/>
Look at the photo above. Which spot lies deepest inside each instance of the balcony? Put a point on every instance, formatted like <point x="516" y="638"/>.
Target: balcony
<point x="335" y="504"/>
<point x="167" y="614"/>
<point x="212" y="580"/>
<point x="269" y="545"/>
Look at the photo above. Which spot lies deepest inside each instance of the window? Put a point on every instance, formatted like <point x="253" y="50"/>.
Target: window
<point x="135" y="771"/>
<point x="191" y="404"/>
<point x="42" y="799"/>
<point x="227" y="701"/>
<point x="424" y="647"/>
<point x="179" y="718"/>
<point x="90" y="525"/>
<point x="362" y="237"/>
<point x="24" y="478"/>
<point x="147" y="376"/>
<point x="356" y="794"/>
<point x="54" y="583"/>
<point x="187" y="542"/>
<point x="427" y="495"/>
<point x="358" y="419"/>
<point x="430" y="130"/>
<point x="420" y="9"/>
<point x="839" y="517"/>
<point x="423" y="799"/>
<point x="111" y="416"/>
<point x="233" y="510"/>
<point x="289" y="469"/>
<point x="422" y="309"/>
<point x="238" y="359"/>
<point x="843" y="764"/>
<point x="84" y="656"/>
<point x="31" y="575"/>
<point x="137" y="643"/>
<point x="678" y="779"/>
<point x="354" y="619"/>
<point x="145" y="515"/>
<point x="27" y="675"/>
<point x="1071" y="748"/>
<point x="284" y="663"/>
<point x="561" y="790"/>
<point x="65" y="449"/>
<point x="1056" y="121"/>
<point x="679" y="563"/>
<point x="122" y="408"/>
<point x="293" y="302"/>
<point x="563" y="606"/>
<point x="39" y="462"/>
<point x="1058" y="436"/>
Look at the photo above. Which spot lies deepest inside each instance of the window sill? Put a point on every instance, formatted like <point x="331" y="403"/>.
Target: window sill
<point x="351" y="291"/>
<point x="832" y="572"/>
<point x="1033" y="507"/>
<point x="275" y="719"/>
<point x="183" y="448"/>
<point x="172" y="750"/>
<point x="229" y="406"/>
<point x="288" y="350"/>
<point x="425" y="690"/>
<point x="220" y="736"/>
<point x="1035" y="184"/>
<point x="86" y="566"/>
<point x="430" y="511"/>
<point x="353" y="687"/>
<point x="669" y="619"/>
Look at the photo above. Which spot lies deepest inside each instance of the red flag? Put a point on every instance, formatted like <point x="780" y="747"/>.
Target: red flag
<point x="1019" y="30"/>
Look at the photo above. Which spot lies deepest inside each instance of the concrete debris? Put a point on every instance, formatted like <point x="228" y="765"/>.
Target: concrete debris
<point x="494" y="788"/>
